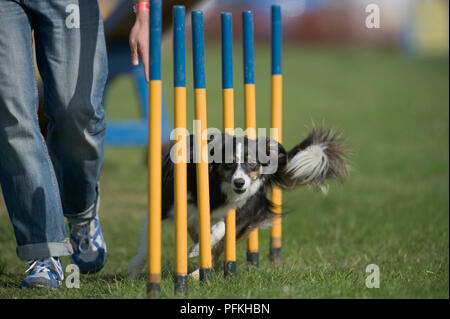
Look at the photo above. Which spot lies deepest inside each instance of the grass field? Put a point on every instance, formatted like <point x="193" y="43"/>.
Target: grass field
<point x="392" y="211"/>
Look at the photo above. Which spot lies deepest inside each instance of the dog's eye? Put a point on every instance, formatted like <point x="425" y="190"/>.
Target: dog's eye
<point x="253" y="165"/>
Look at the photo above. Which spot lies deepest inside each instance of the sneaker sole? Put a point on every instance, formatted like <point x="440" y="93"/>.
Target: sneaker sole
<point x="40" y="284"/>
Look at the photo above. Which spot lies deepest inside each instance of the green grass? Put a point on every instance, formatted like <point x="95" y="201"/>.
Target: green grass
<point x="392" y="211"/>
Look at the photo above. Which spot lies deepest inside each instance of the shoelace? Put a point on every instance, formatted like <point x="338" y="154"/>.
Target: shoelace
<point x="44" y="264"/>
<point x="85" y="237"/>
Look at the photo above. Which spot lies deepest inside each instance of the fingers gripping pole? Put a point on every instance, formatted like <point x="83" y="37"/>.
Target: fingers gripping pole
<point x="201" y="144"/>
<point x="250" y="112"/>
<point x="275" y="232"/>
<point x="154" y="151"/>
<point x="228" y="126"/>
<point x="180" y="185"/>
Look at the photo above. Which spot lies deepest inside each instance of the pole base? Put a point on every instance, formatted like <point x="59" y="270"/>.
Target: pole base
<point x="253" y="258"/>
<point x="205" y="274"/>
<point x="181" y="284"/>
<point x="275" y="255"/>
<point x="153" y="289"/>
<point x="229" y="268"/>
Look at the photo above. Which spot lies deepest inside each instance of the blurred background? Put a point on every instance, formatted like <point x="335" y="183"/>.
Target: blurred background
<point x="385" y="89"/>
<point x="415" y="29"/>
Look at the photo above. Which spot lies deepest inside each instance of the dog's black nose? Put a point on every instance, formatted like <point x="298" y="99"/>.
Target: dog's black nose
<point x="239" y="182"/>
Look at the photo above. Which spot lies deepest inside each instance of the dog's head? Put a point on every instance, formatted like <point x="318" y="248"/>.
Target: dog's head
<point x="244" y="165"/>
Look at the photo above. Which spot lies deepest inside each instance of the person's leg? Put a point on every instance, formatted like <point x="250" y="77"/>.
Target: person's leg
<point x="72" y="60"/>
<point x="27" y="177"/>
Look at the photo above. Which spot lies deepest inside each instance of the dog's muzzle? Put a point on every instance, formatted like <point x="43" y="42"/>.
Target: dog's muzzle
<point x="238" y="185"/>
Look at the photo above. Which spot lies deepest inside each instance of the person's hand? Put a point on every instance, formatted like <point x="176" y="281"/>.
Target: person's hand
<point x="139" y="41"/>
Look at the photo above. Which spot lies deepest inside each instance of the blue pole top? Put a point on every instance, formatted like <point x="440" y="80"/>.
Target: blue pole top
<point x="179" y="46"/>
<point x="276" y="39"/>
<point x="227" y="50"/>
<point x="198" y="47"/>
<point x="249" y="49"/>
<point x="155" y="39"/>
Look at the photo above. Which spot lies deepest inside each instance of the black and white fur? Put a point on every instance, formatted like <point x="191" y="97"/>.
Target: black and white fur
<point x="238" y="183"/>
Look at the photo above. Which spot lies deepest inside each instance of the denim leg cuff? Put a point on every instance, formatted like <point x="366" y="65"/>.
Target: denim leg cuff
<point x="44" y="250"/>
<point x="87" y="215"/>
<point x="83" y="217"/>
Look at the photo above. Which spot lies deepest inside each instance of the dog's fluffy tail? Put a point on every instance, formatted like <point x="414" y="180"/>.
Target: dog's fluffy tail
<point x="321" y="156"/>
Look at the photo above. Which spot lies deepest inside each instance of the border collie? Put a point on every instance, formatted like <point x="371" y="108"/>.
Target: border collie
<point x="241" y="172"/>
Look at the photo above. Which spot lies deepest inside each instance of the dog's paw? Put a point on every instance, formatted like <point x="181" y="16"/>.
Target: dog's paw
<point x="195" y="274"/>
<point x="194" y="251"/>
<point x="134" y="268"/>
<point x="132" y="273"/>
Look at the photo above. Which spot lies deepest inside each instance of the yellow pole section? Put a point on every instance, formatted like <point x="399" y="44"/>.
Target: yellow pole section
<point x="181" y="267"/>
<point x="202" y="182"/>
<point x="230" y="221"/>
<point x="230" y="236"/>
<point x="154" y="178"/>
<point x="275" y="232"/>
<point x="250" y="110"/>
<point x="228" y="110"/>
<point x="253" y="246"/>
<point x="277" y="82"/>
<point x="250" y="125"/>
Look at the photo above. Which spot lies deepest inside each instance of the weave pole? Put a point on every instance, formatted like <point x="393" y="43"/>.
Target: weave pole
<point x="154" y="151"/>
<point x="276" y="100"/>
<point x="180" y="183"/>
<point x="250" y="112"/>
<point x="228" y="126"/>
<point x="198" y="47"/>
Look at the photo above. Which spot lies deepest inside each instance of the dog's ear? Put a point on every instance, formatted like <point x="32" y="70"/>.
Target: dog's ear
<point x="270" y="147"/>
<point x="282" y="154"/>
<point x="271" y="155"/>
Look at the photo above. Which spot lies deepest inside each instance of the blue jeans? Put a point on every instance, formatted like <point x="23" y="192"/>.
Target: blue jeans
<point x="43" y="181"/>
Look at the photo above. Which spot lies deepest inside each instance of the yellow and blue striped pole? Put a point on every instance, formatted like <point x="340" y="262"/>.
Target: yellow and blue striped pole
<point x="180" y="183"/>
<point x="250" y="112"/>
<point x="275" y="232"/>
<point x="228" y="126"/>
<point x="154" y="151"/>
<point x="198" y="47"/>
